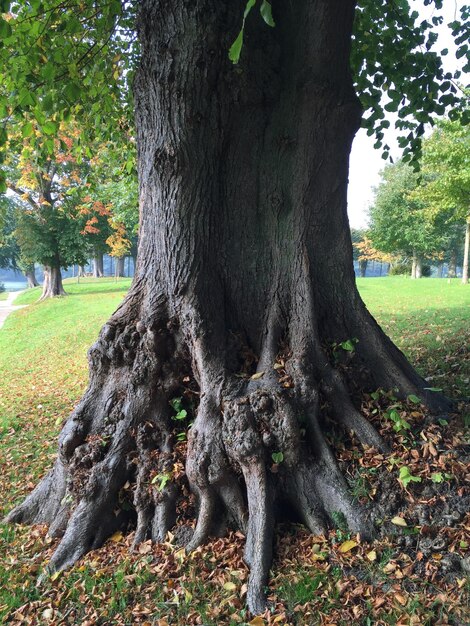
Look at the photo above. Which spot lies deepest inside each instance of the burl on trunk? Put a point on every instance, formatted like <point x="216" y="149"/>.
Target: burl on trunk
<point x="244" y="281"/>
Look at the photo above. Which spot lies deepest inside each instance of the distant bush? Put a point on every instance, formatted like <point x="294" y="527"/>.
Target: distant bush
<point x="400" y="269"/>
<point x="2" y="287"/>
<point x="404" y="269"/>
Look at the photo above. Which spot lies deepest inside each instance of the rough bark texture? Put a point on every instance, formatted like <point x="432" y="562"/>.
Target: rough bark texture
<point x="244" y="286"/>
<point x="52" y="285"/>
<point x="98" y="271"/>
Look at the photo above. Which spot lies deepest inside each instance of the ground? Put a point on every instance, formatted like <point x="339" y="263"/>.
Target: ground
<point x="407" y="578"/>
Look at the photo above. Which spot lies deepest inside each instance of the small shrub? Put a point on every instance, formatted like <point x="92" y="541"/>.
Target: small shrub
<point x="400" y="269"/>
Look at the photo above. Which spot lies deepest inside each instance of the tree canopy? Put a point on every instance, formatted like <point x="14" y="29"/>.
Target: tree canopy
<point x="63" y="58"/>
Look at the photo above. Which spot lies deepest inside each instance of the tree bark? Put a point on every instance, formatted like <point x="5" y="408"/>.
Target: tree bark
<point x="52" y="285"/>
<point x="30" y="275"/>
<point x="363" y="268"/>
<point x="244" y="281"/>
<point x="98" y="271"/>
<point x="466" y="253"/>
<point x="119" y="272"/>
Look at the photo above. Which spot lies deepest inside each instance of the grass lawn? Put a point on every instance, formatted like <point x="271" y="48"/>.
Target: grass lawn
<point x="43" y="361"/>
<point x="429" y="320"/>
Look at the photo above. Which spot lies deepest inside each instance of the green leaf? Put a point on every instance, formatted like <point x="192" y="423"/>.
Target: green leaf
<point x="49" y="128"/>
<point x="277" y="457"/>
<point x="437" y="477"/>
<point x="5" y="29"/>
<point x="433" y="388"/>
<point x="181" y="415"/>
<point x="414" y="399"/>
<point x="406" y="477"/>
<point x="249" y="5"/>
<point x="266" y="13"/>
<point x="236" y="48"/>
<point x="27" y="130"/>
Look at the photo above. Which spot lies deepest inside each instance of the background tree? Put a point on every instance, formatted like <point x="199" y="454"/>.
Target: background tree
<point x="363" y="251"/>
<point x="11" y="256"/>
<point x="445" y="184"/>
<point x="399" y="223"/>
<point x="48" y="186"/>
<point x="245" y="274"/>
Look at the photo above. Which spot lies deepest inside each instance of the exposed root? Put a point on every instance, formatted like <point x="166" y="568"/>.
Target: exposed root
<point x="256" y="448"/>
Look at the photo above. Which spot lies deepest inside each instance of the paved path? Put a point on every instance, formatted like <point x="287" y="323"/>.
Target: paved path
<point x="7" y="306"/>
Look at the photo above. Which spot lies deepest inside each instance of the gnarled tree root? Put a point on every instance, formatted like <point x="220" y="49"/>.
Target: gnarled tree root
<point x="255" y="448"/>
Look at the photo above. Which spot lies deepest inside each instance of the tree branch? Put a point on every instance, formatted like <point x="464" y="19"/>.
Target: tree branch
<point x="22" y="193"/>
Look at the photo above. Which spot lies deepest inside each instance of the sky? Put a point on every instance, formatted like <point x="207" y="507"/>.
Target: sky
<point x="366" y="162"/>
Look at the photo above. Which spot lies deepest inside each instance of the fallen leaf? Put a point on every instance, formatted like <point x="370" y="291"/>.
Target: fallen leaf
<point x="257" y="376"/>
<point x="230" y="586"/>
<point x="372" y="555"/>
<point x="257" y="621"/>
<point x="116" y="537"/>
<point x="398" y="521"/>
<point x="346" y="546"/>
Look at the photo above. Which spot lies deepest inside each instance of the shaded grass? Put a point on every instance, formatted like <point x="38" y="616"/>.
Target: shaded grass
<point x="429" y="320"/>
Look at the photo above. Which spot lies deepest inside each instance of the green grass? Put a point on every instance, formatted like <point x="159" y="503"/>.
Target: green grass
<point x="429" y="320"/>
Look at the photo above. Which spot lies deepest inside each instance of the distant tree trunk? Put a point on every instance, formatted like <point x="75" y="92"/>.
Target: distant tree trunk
<point x="98" y="271"/>
<point x="452" y="267"/>
<point x="363" y="268"/>
<point x="466" y="253"/>
<point x="30" y="274"/>
<point x="120" y="267"/>
<point x="440" y="270"/>
<point x="244" y="280"/>
<point x="81" y="273"/>
<point x="52" y="285"/>
<point x="419" y="267"/>
<point x="413" y="264"/>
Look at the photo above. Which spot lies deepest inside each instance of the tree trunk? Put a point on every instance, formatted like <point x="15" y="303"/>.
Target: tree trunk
<point x="98" y="265"/>
<point x="419" y="267"/>
<point x="120" y="267"/>
<point x="30" y="274"/>
<point x="244" y="280"/>
<point x="52" y="285"/>
<point x="440" y="270"/>
<point x="414" y="263"/>
<point x="452" y="267"/>
<point x="363" y="268"/>
<point x="465" y="253"/>
<point x="81" y="273"/>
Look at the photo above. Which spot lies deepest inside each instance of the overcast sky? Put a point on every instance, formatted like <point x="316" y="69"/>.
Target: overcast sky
<point x="366" y="162"/>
